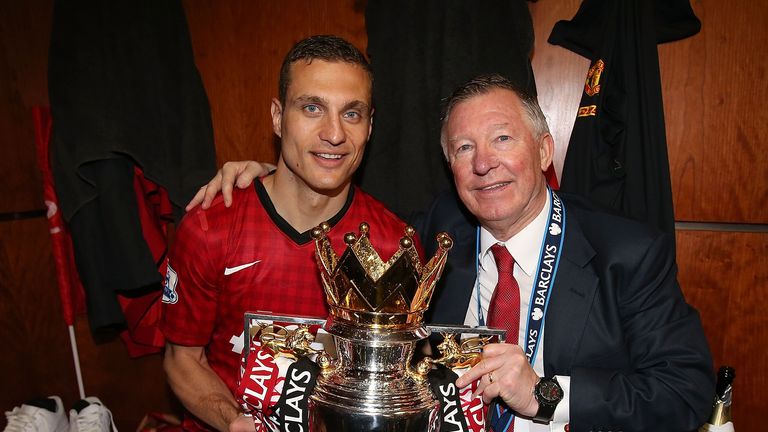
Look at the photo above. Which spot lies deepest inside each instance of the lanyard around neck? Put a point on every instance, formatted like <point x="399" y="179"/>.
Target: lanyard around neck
<point x="549" y="259"/>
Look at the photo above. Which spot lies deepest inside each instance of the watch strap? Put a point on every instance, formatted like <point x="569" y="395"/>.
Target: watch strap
<point x="545" y="413"/>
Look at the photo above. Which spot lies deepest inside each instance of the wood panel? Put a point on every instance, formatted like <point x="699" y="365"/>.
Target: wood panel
<point x="715" y="91"/>
<point x="38" y="359"/>
<point x="559" y="73"/>
<point x="24" y="34"/>
<point x="239" y="46"/>
<point x="725" y="275"/>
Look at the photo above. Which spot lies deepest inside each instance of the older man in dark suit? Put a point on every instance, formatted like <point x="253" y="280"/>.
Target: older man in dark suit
<point x="601" y="336"/>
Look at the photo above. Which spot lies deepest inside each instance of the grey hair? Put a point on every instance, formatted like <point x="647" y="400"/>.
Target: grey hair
<point x="484" y="84"/>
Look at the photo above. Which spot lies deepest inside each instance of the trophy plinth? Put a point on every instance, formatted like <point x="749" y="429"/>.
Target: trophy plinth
<point x="376" y="319"/>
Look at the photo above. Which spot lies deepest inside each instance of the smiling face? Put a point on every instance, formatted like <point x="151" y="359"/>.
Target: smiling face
<point x="497" y="162"/>
<point x="325" y="123"/>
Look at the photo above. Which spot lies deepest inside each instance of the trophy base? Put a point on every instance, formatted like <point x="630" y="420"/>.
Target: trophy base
<point x="370" y="387"/>
<point x="327" y="418"/>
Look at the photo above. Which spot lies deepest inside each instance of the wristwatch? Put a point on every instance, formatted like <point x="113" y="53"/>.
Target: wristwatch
<point x="548" y="394"/>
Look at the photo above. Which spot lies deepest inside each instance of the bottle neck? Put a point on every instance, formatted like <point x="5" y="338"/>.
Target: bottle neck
<point x="721" y="413"/>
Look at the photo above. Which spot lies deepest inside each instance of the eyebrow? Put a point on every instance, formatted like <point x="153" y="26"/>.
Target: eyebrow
<point x="454" y="139"/>
<point x="357" y="105"/>
<point x="311" y="99"/>
<point x="490" y="128"/>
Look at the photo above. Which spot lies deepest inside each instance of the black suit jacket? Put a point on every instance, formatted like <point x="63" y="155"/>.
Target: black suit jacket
<point x="617" y="322"/>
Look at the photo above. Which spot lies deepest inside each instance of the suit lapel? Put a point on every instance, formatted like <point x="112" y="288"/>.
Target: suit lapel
<point x="572" y="297"/>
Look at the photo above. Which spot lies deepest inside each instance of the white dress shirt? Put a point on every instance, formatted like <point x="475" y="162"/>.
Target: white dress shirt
<point x="524" y="247"/>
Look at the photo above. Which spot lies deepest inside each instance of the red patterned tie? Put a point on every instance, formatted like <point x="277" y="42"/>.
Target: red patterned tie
<point x="504" y="313"/>
<point x="504" y="310"/>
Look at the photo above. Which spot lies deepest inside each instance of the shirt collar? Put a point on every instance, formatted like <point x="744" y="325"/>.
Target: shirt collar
<point x="524" y="246"/>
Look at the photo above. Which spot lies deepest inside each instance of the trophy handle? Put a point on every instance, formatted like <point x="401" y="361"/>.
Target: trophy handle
<point x="294" y="344"/>
<point x="455" y="355"/>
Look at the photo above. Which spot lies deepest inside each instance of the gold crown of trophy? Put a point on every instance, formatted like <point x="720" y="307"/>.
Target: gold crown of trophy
<point x="376" y="318"/>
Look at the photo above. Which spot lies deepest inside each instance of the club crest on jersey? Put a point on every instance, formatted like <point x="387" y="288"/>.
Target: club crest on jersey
<point x="592" y="86"/>
<point x="169" y="288"/>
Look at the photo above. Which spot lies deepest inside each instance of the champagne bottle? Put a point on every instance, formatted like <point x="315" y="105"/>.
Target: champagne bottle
<point x="720" y="419"/>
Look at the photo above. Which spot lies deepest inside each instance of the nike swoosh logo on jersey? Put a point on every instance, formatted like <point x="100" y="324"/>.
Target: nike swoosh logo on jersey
<point x="229" y="270"/>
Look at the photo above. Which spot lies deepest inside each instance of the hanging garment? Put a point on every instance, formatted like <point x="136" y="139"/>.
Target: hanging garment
<point x="617" y="155"/>
<point x="124" y="93"/>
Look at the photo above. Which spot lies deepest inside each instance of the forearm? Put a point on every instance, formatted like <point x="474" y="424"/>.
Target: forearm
<point x="198" y="387"/>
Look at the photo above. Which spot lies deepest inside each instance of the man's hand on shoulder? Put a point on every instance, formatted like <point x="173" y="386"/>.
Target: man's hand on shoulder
<point x="240" y="173"/>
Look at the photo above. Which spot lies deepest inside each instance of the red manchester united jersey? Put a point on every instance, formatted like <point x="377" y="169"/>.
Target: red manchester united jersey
<point x="246" y="258"/>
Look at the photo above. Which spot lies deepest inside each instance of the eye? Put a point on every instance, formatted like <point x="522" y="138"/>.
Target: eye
<point x="311" y="109"/>
<point x="463" y="148"/>
<point x="503" y="138"/>
<point x="353" y="115"/>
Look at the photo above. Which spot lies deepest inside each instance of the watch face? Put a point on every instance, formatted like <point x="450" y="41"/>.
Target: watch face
<point x="550" y="391"/>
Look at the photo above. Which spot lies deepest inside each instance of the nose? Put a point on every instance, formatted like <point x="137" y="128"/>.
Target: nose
<point x="484" y="160"/>
<point x="333" y="131"/>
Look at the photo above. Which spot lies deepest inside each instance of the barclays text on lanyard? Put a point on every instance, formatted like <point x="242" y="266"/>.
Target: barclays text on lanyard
<point x="549" y="257"/>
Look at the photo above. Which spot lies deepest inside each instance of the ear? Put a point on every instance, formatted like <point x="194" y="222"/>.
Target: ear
<point x="277" y="117"/>
<point x="370" y="125"/>
<point x="546" y="151"/>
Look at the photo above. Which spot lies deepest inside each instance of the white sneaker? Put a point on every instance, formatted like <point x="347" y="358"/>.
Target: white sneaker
<point x="41" y="415"/>
<point x="90" y="415"/>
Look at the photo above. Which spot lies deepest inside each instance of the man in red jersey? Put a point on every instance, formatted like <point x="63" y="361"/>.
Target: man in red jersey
<point x="257" y="254"/>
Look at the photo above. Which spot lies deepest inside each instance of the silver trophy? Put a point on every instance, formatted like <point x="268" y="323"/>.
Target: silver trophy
<point x="376" y="319"/>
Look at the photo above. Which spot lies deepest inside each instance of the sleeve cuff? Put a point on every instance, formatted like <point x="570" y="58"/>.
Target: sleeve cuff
<point x="562" y="412"/>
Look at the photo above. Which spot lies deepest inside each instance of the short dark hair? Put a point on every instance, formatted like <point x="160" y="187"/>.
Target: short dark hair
<point x="321" y="47"/>
<point x="483" y="84"/>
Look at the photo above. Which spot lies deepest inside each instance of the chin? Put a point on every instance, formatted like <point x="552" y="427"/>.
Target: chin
<point x="329" y="188"/>
<point x="495" y="214"/>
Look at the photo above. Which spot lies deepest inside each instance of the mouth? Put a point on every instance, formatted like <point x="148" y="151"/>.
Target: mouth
<point x="493" y="187"/>
<point x="328" y="156"/>
<point x="328" y="159"/>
